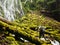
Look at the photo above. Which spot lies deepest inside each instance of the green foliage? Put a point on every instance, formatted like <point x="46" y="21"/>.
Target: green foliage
<point x="49" y="5"/>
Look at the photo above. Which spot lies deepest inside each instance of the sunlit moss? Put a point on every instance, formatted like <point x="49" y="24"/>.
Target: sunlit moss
<point x="33" y="20"/>
<point x="23" y="27"/>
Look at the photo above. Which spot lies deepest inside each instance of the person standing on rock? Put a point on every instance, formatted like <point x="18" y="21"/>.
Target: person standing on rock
<point x="41" y="31"/>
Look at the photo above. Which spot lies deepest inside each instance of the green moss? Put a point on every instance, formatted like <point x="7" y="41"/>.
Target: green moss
<point x="23" y="27"/>
<point x="32" y="20"/>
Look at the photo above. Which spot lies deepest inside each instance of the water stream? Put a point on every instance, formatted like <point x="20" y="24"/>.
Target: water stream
<point x="8" y="9"/>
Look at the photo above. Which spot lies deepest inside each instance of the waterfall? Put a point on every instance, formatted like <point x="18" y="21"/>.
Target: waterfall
<point x="8" y="9"/>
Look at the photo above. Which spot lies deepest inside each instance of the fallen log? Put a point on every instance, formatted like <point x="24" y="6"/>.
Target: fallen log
<point x="9" y="22"/>
<point x="17" y="30"/>
<point x="5" y="20"/>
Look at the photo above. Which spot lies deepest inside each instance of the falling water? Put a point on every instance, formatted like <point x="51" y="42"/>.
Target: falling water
<point x="8" y="9"/>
